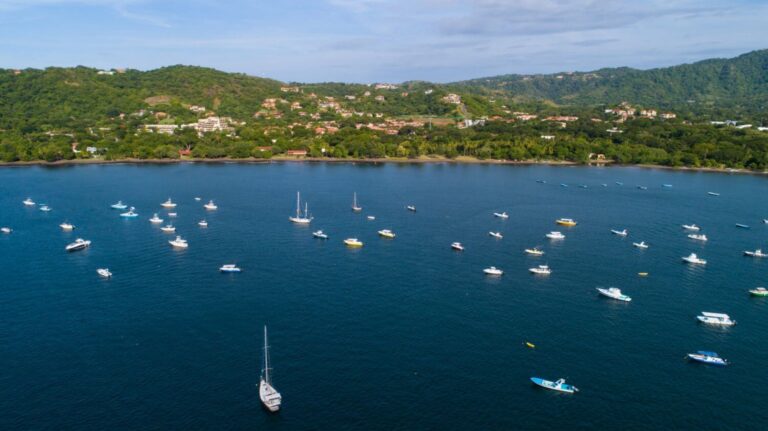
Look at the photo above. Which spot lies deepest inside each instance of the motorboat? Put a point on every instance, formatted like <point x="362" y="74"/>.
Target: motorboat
<point x="493" y="271"/>
<point x="130" y="213"/>
<point x="6" y="230"/>
<point x="691" y="227"/>
<point x="202" y="223"/>
<point x="355" y="207"/>
<point x="583" y="186"/>
<point x="566" y="222"/>
<point x="298" y="218"/>
<point x="694" y="259"/>
<point x="179" y="243"/>
<point x="707" y="357"/>
<point x="353" y="242"/>
<point x="563" y="185"/>
<point x="619" y="232"/>
<point x="503" y="215"/>
<point x="119" y="206"/>
<point x="168" y="204"/>
<point x="67" y="226"/>
<point x="555" y="235"/>
<point x="168" y="228"/>
<point x="28" y="202"/>
<point x="411" y="208"/>
<point x="320" y="234"/>
<point x="667" y="186"/>
<point x="79" y="244"/>
<point x="155" y="219"/>
<point x="386" y="233"/>
<point x="541" y="181"/>
<point x="713" y="194"/>
<point x="229" y="268"/>
<point x="640" y="244"/>
<point x="198" y="199"/>
<point x="269" y="396"/>
<point x="457" y="246"/>
<point x="104" y="272"/>
<point x="614" y="293"/>
<point x="756" y="253"/>
<point x="698" y="237"/>
<point x="44" y="208"/>
<point x="758" y="291"/>
<point x="742" y="226"/>
<point x="642" y="187"/>
<point x="618" y="183"/>
<point x="541" y="270"/>
<point x="719" y="319"/>
<point x="534" y="251"/>
<point x="558" y="385"/>
<point x="371" y="217"/>
<point x="496" y="235"/>
<point x="210" y="206"/>
<point x="172" y="215"/>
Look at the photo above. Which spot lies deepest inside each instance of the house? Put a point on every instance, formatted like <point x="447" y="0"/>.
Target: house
<point x="668" y="115"/>
<point x="385" y="86"/>
<point x="165" y="129"/>
<point x="197" y="109"/>
<point x="614" y="130"/>
<point x="185" y="151"/>
<point x="452" y="98"/>
<point x="598" y="156"/>
<point x="290" y="89"/>
<point x="106" y="72"/>
<point x="263" y="149"/>
<point x="296" y="153"/>
<point x="648" y="113"/>
<point x="548" y="137"/>
<point x="379" y="98"/>
<point x="428" y="92"/>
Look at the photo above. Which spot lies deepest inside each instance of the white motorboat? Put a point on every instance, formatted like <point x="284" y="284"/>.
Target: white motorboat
<point x="555" y="235"/>
<point x="67" y="226"/>
<point x="202" y="223"/>
<point x="79" y="244"/>
<point x="503" y="215"/>
<point x="28" y="202"/>
<point x="320" y="234"/>
<point x="210" y="206"/>
<point x="229" y="268"/>
<point x="694" y="259"/>
<point x="619" y="232"/>
<point x="540" y="270"/>
<point x="386" y="233"/>
<point x="172" y="215"/>
<point x="718" y="319"/>
<point x="198" y="199"/>
<point x="614" y="293"/>
<point x="298" y="218"/>
<point x="411" y="208"/>
<point x="371" y="217"/>
<point x="6" y="230"/>
<point x="496" y="235"/>
<point x="44" y="208"/>
<point x="104" y="272"/>
<point x="698" y="237"/>
<point x="534" y="251"/>
<point x="691" y="227"/>
<point x="179" y="243"/>
<point x="168" y="228"/>
<point x="756" y="253"/>
<point x="168" y="204"/>
<point x="640" y="244"/>
<point x="558" y="385"/>
<point x="457" y="246"/>
<point x="355" y="207"/>
<point x="708" y="357"/>
<point x="493" y="271"/>
<point x="130" y="213"/>
<point x="270" y="398"/>
<point x="155" y="219"/>
<point x="119" y="206"/>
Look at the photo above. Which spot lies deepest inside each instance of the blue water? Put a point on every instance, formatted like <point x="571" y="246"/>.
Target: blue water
<point x="400" y="334"/>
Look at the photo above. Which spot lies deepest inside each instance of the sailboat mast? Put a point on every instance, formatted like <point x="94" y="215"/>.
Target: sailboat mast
<point x="266" y="357"/>
<point x="298" y="205"/>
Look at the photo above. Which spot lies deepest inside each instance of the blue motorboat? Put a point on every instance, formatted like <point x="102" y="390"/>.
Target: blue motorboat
<point x="708" y="357"/>
<point x="558" y="385"/>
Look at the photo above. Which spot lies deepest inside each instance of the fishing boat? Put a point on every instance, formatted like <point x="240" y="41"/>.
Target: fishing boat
<point x="496" y="235"/>
<point x="411" y="208"/>
<point x="614" y="293"/>
<point x="493" y="271"/>
<point x="558" y="385"/>
<point x="79" y="244"/>
<point x="386" y="233"/>
<point x="353" y="242"/>
<point x="202" y="223"/>
<point x="555" y="235"/>
<point x="168" y="228"/>
<point x="540" y="270"/>
<point x="320" y="234"/>
<point x="67" y="226"/>
<point x="756" y="253"/>
<point x="179" y="243"/>
<point x="742" y="226"/>
<point x="28" y="202"/>
<point x="230" y="267"/>
<point x="6" y="230"/>
<point x="44" y="208"/>
<point x="694" y="259"/>
<point x="155" y="219"/>
<point x="104" y="272"/>
<point x="129" y="214"/>
<point x="355" y="207"/>
<point x="718" y="319"/>
<point x="708" y="357"/>
<point x="691" y="227"/>
<point x="698" y="237"/>
<point x="566" y="222"/>
<point x="640" y="244"/>
<point x="503" y="215"/>
<point x="298" y="219"/>
<point x="619" y="232"/>
<point x="758" y="291"/>
<point x="119" y="206"/>
<point x="713" y="194"/>
<point x="210" y="206"/>
<point x="270" y="398"/>
<point x="457" y="246"/>
<point x="534" y="251"/>
<point x="168" y="204"/>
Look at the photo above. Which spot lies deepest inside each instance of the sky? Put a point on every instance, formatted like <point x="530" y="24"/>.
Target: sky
<point x="378" y="40"/>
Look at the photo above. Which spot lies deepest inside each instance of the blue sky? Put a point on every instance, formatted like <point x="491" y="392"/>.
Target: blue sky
<point x="377" y="40"/>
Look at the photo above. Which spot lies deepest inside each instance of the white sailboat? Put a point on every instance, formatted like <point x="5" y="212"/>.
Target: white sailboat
<point x="355" y="207"/>
<point x="267" y="393"/>
<point x="298" y="219"/>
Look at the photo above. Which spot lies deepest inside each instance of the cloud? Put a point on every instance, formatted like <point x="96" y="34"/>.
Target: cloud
<point x="119" y="6"/>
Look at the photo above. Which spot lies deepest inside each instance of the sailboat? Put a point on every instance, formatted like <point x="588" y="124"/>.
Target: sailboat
<point x="268" y="394"/>
<point x="356" y="208"/>
<point x="299" y="219"/>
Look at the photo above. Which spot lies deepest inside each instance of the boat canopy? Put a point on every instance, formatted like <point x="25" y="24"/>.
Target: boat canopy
<point x="708" y="353"/>
<point x="718" y="315"/>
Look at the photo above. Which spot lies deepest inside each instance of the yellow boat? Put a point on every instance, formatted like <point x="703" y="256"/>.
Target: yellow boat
<point x="353" y="242"/>
<point x="566" y="222"/>
<point x="642" y="274"/>
<point x="530" y="345"/>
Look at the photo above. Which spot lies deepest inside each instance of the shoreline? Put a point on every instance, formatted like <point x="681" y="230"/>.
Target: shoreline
<point x="463" y="160"/>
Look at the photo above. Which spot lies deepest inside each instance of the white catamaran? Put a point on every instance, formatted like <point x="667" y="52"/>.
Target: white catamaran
<point x="298" y="218"/>
<point x="268" y="394"/>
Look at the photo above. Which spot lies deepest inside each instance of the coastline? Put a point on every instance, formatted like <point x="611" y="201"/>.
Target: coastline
<point x="396" y="160"/>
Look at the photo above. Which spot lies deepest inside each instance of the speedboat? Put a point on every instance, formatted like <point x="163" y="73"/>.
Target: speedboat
<point x="719" y="319"/>
<point x="541" y="270"/>
<point x="6" y="230"/>
<point x="79" y="244"/>
<point x="411" y="208"/>
<point x="496" y="235"/>
<point x="558" y="385"/>
<point x="67" y="226"/>
<point x="758" y="291"/>
<point x="168" y="228"/>
<point x="457" y="246"/>
<point x="615" y="293"/>
<point x="707" y="357"/>
<point x="743" y="226"/>
<point x="503" y="215"/>
<point x="104" y="272"/>
<point x="534" y="251"/>
<point x="168" y="204"/>
<point x="386" y="233"/>
<point x="155" y="219"/>
<point x="210" y="206"/>
<point x="371" y="217"/>
<point x="691" y="227"/>
<point x="28" y="202"/>
<point x="694" y="259"/>
<point x="698" y="237"/>
<point x="119" y="206"/>
<point x="619" y="232"/>
<point x="713" y="194"/>
<point x="640" y="244"/>
<point x="668" y="186"/>
<point x="44" y="208"/>
<point x="202" y="223"/>
<point x="756" y="253"/>
<point x="229" y="268"/>
<point x="555" y="235"/>
<point x="493" y="271"/>
<point x="198" y="199"/>
<point x="566" y="222"/>
<point x="130" y="213"/>
<point x="642" y="187"/>
<point x="172" y="215"/>
<point x="179" y="243"/>
<point x="353" y="242"/>
<point x="320" y="234"/>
